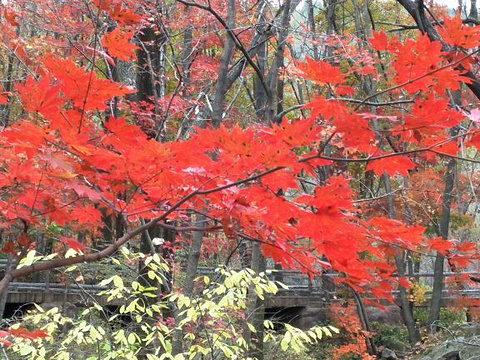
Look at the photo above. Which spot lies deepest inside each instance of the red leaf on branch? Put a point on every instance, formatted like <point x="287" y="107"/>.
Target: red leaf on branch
<point x="379" y="40"/>
<point x="4" y="98"/>
<point x="10" y="16"/>
<point x="40" y="96"/>
<point x="8" y="248"/>
<point x="118" y="44"/>
<point x="320" y="71"/>
<point x="26" y="334"/>
<point x="391" y="165"/>
<point x="441" y="245"/>
<point x="458" y="34"/>
<point x="72" y="243"/>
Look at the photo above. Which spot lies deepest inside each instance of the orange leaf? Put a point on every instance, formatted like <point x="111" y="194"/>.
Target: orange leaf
<point x="11" y="17"/>
<point x="26" y="334"/>
<point x="118" y="45"/>
<point x="403" y="282"/>
<point x="391" y="165"/>
<point x="3" y="98"/>
<point x="72" y="243"/>
<point x="379" y="40"/>
<point x="456" y="33"/>
<point x="439" y="244"/>
<point x="320" y="71"/>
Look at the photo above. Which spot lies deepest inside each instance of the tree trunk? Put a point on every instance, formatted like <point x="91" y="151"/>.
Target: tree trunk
<point x="4" y="294"/>
<point x="255" y="309"/>
<point x="444" y="224"/>
<point x="188" y="285"/>
<point x="7" y="87"/>
<point x="228" y="47"/>
<point x="259" y="94"/>
<point x="275" y="96"/>
<point x="473" y="10"/>
<point x="405" y="304"/>
<point x="312" y="26"/>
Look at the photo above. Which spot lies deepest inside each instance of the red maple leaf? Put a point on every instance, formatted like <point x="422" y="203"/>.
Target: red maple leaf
<point x="27" y="334"/>
<point x="84" y="89"/>
<point x="391" y="165"/>
<point x="118" y="44"/>
<point x="72" y="243"/>
<point x="40" y="96"/>
<point x="379" y="40"/>
<point x="441" y="245"/>
<point x="456" y="33"/>
<point x="320" y="71"/>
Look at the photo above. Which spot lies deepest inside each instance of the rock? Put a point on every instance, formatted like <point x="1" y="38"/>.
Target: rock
<point x="388" y="354"/>
<point x="470" y="352"/>
<point x="455" y="350"/>
<point x="389" y="314"/>
<point x="397" y="345"/>
<point x="463" y="344"/>
<point x="452" y="355"/>
<point x="467" y="329"/>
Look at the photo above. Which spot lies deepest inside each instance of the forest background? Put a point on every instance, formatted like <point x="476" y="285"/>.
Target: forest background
<point x="338" y="139"/>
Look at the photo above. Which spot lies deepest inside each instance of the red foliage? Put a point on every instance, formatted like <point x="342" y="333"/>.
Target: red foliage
<point x="65" y="161"/>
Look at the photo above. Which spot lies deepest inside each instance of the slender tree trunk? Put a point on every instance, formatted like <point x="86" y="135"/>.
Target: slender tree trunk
<point x="7" y="87"/>
<point x="405" y="305"/>
<point x="331" y="17"/>
<point x="4" y="294"/>
<point x="444" y="224"/>
<point x="473" y="10"/>
<point x="312" y="26"/>
<point x="187" y="53"/>
<point x="275" y="97"/>
<point x="228" y="47"/>
<point x="259" y="94"/>
<point x="362" y="315"/>
<point x="255" y="309"/>
<point x="188" y="285"/>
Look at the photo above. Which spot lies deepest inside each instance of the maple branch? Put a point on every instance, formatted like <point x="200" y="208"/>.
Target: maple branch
<point x="457" y="62"/>
<point x="377" y="103"/>
<point x="377" y="197"/>
<point x="190" y="228"/>
<point x="112" y="248"/>
<point x="430" y="148"/>
<point x="358" y="101"/>
<point x="251" y="238"/>
<point x="241" y="181"/>
<point x="423" y="21"/>
<point x="87" y="258"/>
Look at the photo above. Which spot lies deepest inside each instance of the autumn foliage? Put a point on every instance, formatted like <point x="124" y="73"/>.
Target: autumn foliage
<point x="75" y="152"/>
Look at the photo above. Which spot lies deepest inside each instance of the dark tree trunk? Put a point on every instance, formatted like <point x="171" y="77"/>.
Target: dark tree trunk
<point x="255" y="309"/>
<point x="405" y="304"/>
<point x="473" y="10"/>
<point x="7" y="87"/>
<point x="221" y="90"/>
<point x="443" y="225"/>
<point x="188" y="285"/>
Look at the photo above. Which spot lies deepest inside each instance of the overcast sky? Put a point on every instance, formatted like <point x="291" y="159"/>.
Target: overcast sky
<point x="449" y="3"/>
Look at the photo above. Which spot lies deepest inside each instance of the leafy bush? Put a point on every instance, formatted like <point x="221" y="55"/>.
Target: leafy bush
<point x="211" y="322"/>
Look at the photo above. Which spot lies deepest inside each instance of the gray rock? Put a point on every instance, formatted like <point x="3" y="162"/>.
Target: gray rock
<point x="388" y="354"/>
<point x="470" y="352"/>
<point x="389" y="314"/>
<point x="397" y="345"/>
<point x="459" y="349"/>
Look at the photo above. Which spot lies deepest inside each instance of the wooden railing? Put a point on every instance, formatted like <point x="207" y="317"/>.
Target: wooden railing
<point x="301" y="289"/>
